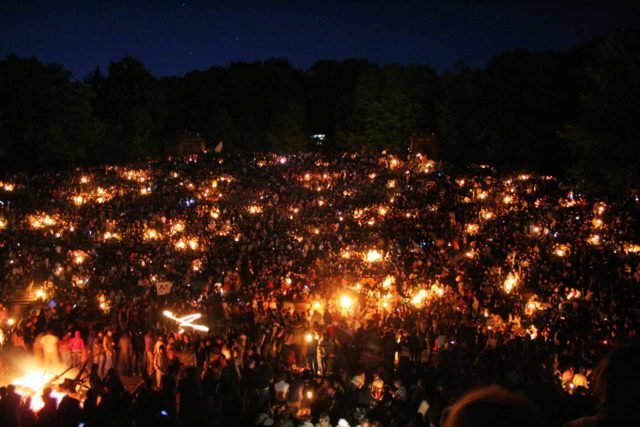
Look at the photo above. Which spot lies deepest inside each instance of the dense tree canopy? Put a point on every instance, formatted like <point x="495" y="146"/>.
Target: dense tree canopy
<point x="130" y="104"/>
<point x="570" y="113"/>
<point x="388" y="106"/>
<point x="606" y="136"/>
<point x="45" y="119"/>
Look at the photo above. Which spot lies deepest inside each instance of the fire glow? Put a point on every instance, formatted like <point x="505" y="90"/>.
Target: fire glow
<point x="33" y="384"/>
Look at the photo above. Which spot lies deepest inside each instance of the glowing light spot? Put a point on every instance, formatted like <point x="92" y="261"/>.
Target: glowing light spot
<point x="419" y="298"/>
<point x="346" y="302"/>
<point x="255" y="209"/>
<point x="373" y="255"/>
<point x="151" y="234"/>
<point x="388" y="281"/>
<point x="472" y="229"/>
<point x="510" y="282"/>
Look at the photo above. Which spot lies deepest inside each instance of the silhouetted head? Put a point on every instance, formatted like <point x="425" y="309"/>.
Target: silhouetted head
<point x="616" y="380"/>
<point x="493" y="407"/>
<point x="46" y="393"/>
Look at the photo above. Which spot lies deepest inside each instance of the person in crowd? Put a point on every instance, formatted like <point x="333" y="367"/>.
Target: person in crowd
<point x="160" y="364"/>
<point x="311" y="343"/>
<point x="109" y="349"/>
<point x="149" y="342"/>
<point x="10" y="406"/>
<point x="326" y="349"/>
<point x="69" y="412"/>
<point x="147" y="403"/>
<point x="125" y="354"/>
<point x="64" y="349"/>
<point x="98" y="353"/>
<point x="49" y="343"/>
<point x="482" y="278"/>
<point x="77" y="348"/>
<point x="95" y="381"/>
<point x="281" y="388"/>
<point x="48" y="414"/>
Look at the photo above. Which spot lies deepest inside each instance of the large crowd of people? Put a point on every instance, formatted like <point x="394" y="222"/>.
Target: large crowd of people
<point x="310" y="289"/>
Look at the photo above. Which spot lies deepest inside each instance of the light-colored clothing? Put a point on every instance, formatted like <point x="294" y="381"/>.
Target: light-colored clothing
<point x="282" y="390"/>
<point x="49" y="344"/>
<point x="160" y="365"/>
<point x="580" y="380"/>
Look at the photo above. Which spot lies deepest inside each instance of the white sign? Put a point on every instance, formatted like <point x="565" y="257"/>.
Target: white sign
<point x="163" y="288"/>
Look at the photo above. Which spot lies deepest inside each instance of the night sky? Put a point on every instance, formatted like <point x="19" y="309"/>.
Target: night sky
<point x="172" y="38"/>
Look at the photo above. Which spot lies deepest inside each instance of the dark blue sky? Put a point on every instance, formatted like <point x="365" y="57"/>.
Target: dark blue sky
<point x="172" y="38"/>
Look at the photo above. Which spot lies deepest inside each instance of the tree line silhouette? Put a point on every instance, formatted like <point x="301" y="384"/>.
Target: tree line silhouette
<point x="572" y="113"/>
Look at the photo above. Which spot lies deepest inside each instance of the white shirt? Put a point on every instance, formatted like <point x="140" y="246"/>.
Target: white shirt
<point x="282" y="389"/>
<point x="49" y="343"/>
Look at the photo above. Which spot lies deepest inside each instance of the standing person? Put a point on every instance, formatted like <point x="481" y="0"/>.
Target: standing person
<point x="17" y="339"/>
<point x="65" y="349"/>
<point x="312" y="351"/>
<point x="109" y="348"/>
<point x="50" y="349"/>
<point x="37" y="347"/>
<point x="147" y="404"/>
<point x="160" y="341"/>
<point x="188" y="355"/>
<point x="160" y="364"/>
<point x="27" y="416"/>
<point x="95" y="381"/>
<point x="125" y="354"/>
<point x="149" y="341"/>
<point x="404" y="353"/>
<point x="187" y="397"/>
<point x="47" y="415"/>
<point x="97" y="353"/>
<point x="69" y="412"/>
<point x="416" y="344"/>
<point x="137" y="362"/>
<point x="77" y="348"/>
<point x="322" y="354"/>
<point x="326" y="354"/>
<point x="10" y="406"/>
<point x="281" y="388"/>
<point x="389" y="347"/>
